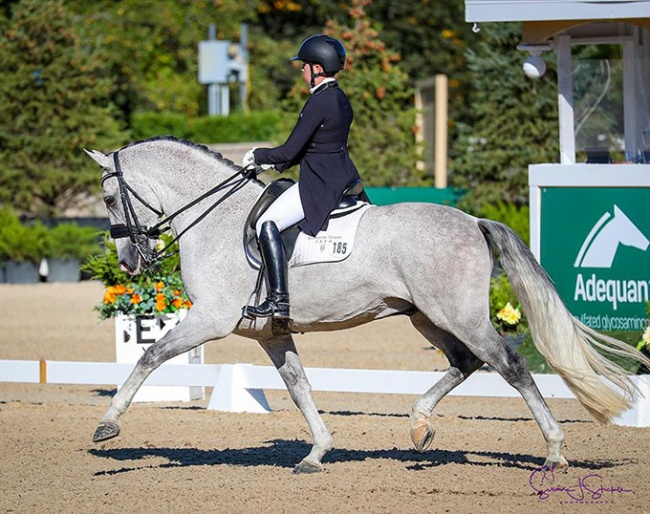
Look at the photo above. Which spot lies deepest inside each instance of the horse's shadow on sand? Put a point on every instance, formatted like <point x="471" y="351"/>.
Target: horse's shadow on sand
<point x="286" y="454"/>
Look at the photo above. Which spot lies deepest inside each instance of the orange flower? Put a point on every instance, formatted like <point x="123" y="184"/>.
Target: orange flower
<point x="178" y="303"/>
<point x="109" y="296"/>
<point x="188" y="304"/>
<point x="120" y="289"/>
<point x="177" y="292"/>
<point x="130" y="290"/>
<point x="135" y="299"/>
<point x="161" y="306"/>
<point x="159" y="286"/>
<point x="160" y="297"/>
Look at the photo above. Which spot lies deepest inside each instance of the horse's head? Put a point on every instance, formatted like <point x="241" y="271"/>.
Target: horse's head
<point x="133" y="211"/>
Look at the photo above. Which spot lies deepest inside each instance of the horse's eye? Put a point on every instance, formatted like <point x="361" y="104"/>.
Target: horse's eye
<point x="109" y="200"/>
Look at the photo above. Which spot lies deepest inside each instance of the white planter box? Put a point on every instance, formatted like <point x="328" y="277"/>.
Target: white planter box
<point x="133" y="335"/>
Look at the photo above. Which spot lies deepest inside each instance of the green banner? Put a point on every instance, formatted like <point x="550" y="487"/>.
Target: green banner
<point x="595" y="246"/>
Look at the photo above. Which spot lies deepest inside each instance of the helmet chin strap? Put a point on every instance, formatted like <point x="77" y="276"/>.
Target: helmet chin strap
<point x="312" y="80"/>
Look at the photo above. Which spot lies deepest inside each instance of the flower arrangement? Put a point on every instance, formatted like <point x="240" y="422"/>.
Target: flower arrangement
<point x="158" y="293"/>
<point x="508" y="320"/>
<point x="162" y="295"/>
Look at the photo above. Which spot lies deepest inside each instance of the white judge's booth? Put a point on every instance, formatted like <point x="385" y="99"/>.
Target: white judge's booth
<point x="590" y="213"/>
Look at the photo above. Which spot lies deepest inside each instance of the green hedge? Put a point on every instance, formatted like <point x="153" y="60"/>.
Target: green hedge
<point x="31" y="241"/>
<point x="235" y="128"/>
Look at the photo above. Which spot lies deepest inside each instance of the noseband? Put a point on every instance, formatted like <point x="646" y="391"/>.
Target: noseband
<point x="138" y="233"/>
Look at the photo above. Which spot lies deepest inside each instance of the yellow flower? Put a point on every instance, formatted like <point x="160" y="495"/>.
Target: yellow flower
<point x="646" y="337"/>
<point x="509" y="314"/>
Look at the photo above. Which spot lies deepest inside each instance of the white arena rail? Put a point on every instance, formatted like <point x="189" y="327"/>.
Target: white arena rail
<point x="240" y="387"/>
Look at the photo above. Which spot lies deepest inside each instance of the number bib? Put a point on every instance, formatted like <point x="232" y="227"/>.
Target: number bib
<point x="331" y="245"/>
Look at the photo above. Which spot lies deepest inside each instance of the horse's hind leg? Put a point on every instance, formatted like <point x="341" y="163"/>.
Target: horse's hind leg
<point x="488" y="346"/>
<point x="284" y="356"/>
<point x="462" y="363"/>
<point x="512" y="367"/>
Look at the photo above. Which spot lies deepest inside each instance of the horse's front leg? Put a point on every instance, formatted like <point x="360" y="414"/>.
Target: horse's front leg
<point x="182" y="338"/>
<point x="284" y="356"/>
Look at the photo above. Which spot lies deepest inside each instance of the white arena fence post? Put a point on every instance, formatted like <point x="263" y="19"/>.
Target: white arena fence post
<point x="232" y="394"/>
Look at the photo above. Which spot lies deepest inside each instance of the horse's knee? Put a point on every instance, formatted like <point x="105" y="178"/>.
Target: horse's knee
<point x="154" y="356"/>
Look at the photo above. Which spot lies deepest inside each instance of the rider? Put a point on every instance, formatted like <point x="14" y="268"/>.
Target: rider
<point x="318" y="143"/>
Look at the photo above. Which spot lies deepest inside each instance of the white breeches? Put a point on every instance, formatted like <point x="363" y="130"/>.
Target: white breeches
<point x="285" y="211"/>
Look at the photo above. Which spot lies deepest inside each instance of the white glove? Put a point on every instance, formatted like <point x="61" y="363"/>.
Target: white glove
<point x="266" y="167"/>
<point x="249" y="158"/>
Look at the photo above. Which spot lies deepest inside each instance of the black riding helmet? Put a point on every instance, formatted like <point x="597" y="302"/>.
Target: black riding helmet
<point x="323" y="50"/>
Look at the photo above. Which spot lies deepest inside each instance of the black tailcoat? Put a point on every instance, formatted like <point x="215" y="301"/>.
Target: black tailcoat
<point x="318" y="143"/>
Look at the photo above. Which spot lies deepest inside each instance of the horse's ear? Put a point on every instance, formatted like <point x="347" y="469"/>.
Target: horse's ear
<point x="99" y="158"/>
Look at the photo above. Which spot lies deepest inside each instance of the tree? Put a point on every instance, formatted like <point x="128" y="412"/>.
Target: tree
<point x="152" y="47"/>
<point x="431" y="38"/>
<point x="53" y="103"/>
<point x="513" y="123"/>
<point x="382" y="141"/>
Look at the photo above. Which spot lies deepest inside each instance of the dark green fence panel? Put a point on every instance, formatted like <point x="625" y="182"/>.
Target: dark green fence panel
<point x="390" y="195"/>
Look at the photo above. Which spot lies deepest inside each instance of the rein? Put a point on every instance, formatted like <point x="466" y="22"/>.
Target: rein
<point x="134" y="230"/>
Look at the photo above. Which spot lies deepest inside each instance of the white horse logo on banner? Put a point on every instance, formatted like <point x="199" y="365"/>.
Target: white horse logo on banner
<point x="600" y="246"/>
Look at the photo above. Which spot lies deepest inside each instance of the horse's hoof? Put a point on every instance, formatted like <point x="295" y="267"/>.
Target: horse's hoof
<point x="308" y="467"/>
<point x="557" y="465"/>
<point x="422" y="434"/>
<point x="106" y="430"/>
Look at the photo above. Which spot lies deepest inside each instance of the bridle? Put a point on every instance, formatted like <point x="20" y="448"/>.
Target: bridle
<point x="138" y="234"/>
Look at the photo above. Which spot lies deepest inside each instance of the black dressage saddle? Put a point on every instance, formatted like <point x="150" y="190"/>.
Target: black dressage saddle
<point x="349" y="200"/>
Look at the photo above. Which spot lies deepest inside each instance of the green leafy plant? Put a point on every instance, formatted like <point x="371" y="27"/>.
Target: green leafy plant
<point x="70" y="241"/>
<point x="235" y="128"/>
<point x="7" y="220"/>
<point x="517" y="217"/>
<point x="21" y="242"/>
<point x="644" y="344"/>
<point x="159" y="291"/>
<point x="505" y="311"/>
<point x="105" y="265"/>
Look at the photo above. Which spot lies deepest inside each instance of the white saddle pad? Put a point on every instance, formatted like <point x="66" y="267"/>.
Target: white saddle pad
<point x="332" y="245"/>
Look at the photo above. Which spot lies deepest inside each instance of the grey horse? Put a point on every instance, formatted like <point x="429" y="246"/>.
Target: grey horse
<point x="430" y="262"/>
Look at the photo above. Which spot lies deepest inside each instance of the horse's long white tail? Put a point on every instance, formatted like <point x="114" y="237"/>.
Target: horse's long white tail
<point x="568" y="345"/>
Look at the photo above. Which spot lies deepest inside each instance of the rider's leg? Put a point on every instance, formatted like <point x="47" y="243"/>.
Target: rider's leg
<point x="283" y="213"/>
<point x="275" y="262"/>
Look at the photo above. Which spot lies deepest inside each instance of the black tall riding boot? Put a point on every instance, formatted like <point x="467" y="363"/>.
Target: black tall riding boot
<point x="275" y="262"/>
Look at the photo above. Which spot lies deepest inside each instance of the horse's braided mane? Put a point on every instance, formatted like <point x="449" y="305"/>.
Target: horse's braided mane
<point x="190" y="144"/>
